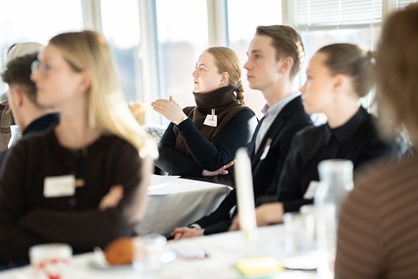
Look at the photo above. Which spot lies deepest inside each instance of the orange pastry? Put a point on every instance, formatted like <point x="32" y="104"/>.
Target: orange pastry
<point x="120" y="251"/>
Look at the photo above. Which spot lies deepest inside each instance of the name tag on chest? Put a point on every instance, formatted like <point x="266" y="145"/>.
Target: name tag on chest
<point x="211" y="119"/>
<point x="59" y="186"/>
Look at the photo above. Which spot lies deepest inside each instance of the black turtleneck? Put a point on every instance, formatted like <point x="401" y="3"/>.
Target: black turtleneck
<point x="356" y="140"/>
<point x="190" y="147"/>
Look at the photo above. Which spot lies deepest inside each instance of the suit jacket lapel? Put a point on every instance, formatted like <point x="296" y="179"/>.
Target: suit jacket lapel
<point x="271" y="133"/>
<point x="251" y="148"/>
<point x="274" y="129"/>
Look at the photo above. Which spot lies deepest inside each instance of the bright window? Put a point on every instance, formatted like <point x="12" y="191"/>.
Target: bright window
<point x="182" y="36"/>
<point x="323" y="22"/>
<point x="28" y="20"/>
<point x="243" y="18"/>
<point x="121" y="29"/>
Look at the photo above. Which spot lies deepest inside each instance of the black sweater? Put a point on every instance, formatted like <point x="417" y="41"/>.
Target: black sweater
<point x="357" y="140"/>
<point x="27" y="217"/>
<point x="206" y="150"/>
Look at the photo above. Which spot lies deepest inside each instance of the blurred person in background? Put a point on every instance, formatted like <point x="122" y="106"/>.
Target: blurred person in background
<point x="6" y="117"/>
<point x="27" y="113"/>
<point x="378" y="228"/>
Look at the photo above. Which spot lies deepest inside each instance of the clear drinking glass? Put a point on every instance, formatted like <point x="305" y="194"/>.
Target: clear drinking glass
<point x="336" y="180"/>
<point x="148" y="252"/>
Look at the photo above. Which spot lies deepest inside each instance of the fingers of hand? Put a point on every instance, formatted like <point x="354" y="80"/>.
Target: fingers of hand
<point x="178" y="236"/>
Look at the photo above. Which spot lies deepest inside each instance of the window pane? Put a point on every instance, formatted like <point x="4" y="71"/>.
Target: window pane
<point x="320" y="13"/>
<point x="182" y="37"/>
<point x="28" y="20"/>
<point x="121" y="29"/>
<point x="403" y="3"/>
<point x="243" y="18"/>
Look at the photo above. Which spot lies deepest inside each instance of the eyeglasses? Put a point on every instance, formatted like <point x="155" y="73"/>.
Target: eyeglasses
<point x="44" y="69"/>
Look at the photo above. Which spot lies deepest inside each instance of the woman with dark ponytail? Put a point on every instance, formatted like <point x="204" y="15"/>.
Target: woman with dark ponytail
<point x="202" y="140"/>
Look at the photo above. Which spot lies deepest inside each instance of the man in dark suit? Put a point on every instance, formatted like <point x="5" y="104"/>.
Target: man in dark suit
<point x="275" y="56"/>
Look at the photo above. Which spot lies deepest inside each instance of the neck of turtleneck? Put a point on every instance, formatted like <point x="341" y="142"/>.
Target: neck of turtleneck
<point x="217" y="98"/>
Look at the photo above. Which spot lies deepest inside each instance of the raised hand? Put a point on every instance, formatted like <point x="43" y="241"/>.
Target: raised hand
<point x="169" y="109"/>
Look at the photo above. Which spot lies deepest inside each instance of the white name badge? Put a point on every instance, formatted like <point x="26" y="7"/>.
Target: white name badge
<point x="266" y="149"/>
<point x="59" y="186"/>
<point x="310" y="192"/>
<point x="211" y="119"/>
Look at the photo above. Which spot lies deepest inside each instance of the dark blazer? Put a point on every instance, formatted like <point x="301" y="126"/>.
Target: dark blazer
<point x="291" y="119"/>
<point x="38" y="125"/>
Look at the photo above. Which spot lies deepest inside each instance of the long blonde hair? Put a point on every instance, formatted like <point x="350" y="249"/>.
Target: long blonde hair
<point x="88" y="51"/>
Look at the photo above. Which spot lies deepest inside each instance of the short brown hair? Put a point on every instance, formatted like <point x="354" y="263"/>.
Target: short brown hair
<point x="351" y="60"/>
<point x="397" y="74"/>
<point x="287" y="42"/>
<point x="18" y="72"/>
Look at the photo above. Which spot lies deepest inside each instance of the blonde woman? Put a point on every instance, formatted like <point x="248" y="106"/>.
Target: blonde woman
<point x="202" y="140"/>
<point x="84" y="181"/>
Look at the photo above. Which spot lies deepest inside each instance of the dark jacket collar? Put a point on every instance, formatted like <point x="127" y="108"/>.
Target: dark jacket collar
<point x="278" y="122"/>
<point x="348" y="129"/>
<point x="42" y="123"/>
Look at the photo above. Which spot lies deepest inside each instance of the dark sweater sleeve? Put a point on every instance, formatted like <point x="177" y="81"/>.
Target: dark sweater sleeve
<point x="94" y="227"/>
<point x="290" y="190"/>
<point x="14" y="239"/>
<point x="219" y="220"/>
<point x="172" y="161"/>
<point x="213" y="155"/>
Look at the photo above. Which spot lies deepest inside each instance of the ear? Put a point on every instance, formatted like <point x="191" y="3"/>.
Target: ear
<point x="225" y="78"/>
<point x="18" y="96"/>
<point x="85" y="81"/>
<point x="339" y="82"/>
<point x="286" y="65"/>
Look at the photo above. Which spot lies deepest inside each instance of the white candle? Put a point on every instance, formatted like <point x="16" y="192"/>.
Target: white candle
<point x="245" y="193"/>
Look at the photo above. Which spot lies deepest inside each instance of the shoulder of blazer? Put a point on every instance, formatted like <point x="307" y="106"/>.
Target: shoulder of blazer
<point x="292" y="106"/>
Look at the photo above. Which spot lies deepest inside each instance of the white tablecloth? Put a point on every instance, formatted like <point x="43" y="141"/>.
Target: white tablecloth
<point x="174" y="202"/>
<point x="223" y="250"/>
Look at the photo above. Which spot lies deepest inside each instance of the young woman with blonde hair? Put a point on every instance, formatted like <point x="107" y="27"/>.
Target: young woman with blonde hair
<point x="202" y="140"/>
<point x="84" y="181"/>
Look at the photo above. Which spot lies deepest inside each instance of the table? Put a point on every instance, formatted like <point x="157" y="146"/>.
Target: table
<point x="223" y="250"/>
<point x="175" y="202"/>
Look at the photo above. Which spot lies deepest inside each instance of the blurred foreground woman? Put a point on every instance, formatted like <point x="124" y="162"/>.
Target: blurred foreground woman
<point x="84" y="181"/>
